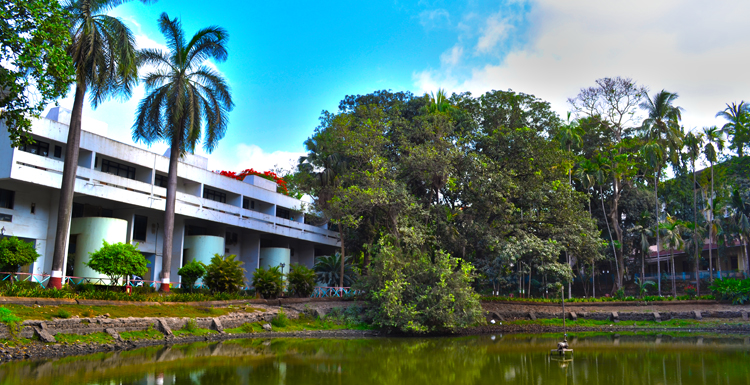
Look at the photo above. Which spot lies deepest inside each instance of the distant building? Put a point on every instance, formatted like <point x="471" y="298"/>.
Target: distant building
<point x="120" y="197"/>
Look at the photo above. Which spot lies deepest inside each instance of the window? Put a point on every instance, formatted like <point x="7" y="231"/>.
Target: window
<point x="140" y="227"/>
<point x="58" y="152"/>
<point x="118" y="169"/>
<point x="160" y="180"/>
<point x="38" y="148"/>
<point x="248" y="204"/>
<point x="6" y="199"/>
<point x="214" y="195"/>
<point x="6" y="218"/>
<point x="282" y="213"/>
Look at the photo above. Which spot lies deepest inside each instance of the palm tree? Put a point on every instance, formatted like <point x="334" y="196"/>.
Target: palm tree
<point x="714" y="142"/>
<point x="438" y="102"/>
<point x="693" y="143"/>
<point x="328" y="271"/>
<point x="654" y="155"/>
<point x="570" y="135"/>
<point x="672" y="230"/>
<point x="738" y="125"/>
<point x="186" y="102"/>
<point x="106" y="65"/>
<point x="741" y="219"/>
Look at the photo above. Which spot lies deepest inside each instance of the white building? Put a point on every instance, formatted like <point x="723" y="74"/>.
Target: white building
<point x="120" y="197"/>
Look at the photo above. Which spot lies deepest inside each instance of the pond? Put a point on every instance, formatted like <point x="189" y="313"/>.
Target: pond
<point x="605" y="359"/>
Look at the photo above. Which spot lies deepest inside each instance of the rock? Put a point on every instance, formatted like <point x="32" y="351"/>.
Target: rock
<point x="615" y="317"/>
<point x="114" y="334"/>
<point x="698" y="315"/>
<point x="267" y="327"/>
<point x="216" y="325"/>
<point x="532" y="316"/>
<point x="657" y="317"/>
<point x="44" y="335"/>
<point x="744" y="315"/>
<point x="573" y="316"/>
<point x="494" y="316"/>
<point x="162" y="326"/>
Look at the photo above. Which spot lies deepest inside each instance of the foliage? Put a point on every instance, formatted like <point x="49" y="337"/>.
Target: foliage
<point x="643" y="286"/>
<point x="15" y="253"/>
<point x="118" y="260"/>
<point x="191" y="273"/>
<point x="269" y="283"/>
<point x="328" y="270"/>
<point x="690" y="290"/>
<point x="735" y="290"/>
<point x="62" y="313"/>
<point x="224" y="274"/>
<point x="35" y="68"/>
<point x="301" y="281"/>
<point x="412" y="291"/>
<point x="12" y="321"/>
<point x="191" y="325"/>
<point x="280" y="320"/>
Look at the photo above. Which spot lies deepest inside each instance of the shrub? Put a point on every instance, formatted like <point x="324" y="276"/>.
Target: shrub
<point x="280" y="320"/>
<point x="735" y="290"/>
<point x="190" y="326"/>
<point x="328" y="269"/>
<point x="419" y="292"/>
<point x="62" y="313"/>
<point x="118" y="260"/>
<point x="191" y="272"/>
<point x="269" y="283"/>
<point x="224" y="274"/>
<point x="11" y="320"/>
<point x="15" y="253"/>
<point x="690" y="290"/>
<point x="301" y="280"/>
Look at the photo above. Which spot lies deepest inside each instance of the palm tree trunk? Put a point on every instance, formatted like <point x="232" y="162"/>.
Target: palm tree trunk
<point x="674" y="285"/>
<point x="606" y="220"/>
<point x="656" y="211"/>
<point x="169" y="211"/>
<point x="697" y="252"/>
<point x="710" y="229"/>
<point x="341" y="235"/>
<point x="747" y="266"/>
<point x="67" y="189"/>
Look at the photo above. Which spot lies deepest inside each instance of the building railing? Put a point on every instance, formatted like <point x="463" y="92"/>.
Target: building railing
<point x="686" y="276"/>
<point x="330" y="292"/>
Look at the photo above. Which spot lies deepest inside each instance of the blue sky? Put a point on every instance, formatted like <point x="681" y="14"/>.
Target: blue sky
<point x="289" y="61"/>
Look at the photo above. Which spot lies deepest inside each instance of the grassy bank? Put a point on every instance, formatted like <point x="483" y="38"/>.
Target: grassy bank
<point x="595" y="324"/>
<point x="83" y="311"/>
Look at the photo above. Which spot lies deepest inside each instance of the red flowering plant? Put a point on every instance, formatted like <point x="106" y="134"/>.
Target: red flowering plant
<point x="269" y="175"/>
<point x="690" y="290"/>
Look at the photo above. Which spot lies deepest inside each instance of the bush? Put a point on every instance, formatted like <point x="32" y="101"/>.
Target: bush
<point x="11" y="320"/>
<point x="730" y="289"/>
<point x="301" y="281"/>
<point x="419" y="292"/>
<point x="280" y="320"/>
<point x="269" y="283"/>
<point x="62" y="313"/>
<point x="118" y="260"/>
<point x="191" y="272"/>
<point x="328" y="269"/>
<point x="15" y="253"/>
<point x="224" y="274"/>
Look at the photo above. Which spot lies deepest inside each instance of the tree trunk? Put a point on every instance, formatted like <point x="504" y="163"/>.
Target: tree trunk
<point x="341" y="235"/>
<point x="614" y="215"/>
<point x="166" y="265"/>
<point x="570" y="264"/>
<point x="67" y="189"/>
<point x="656" y="211"/>
<point x="698" y="248"/>
<point x="747" y="266"/>
<point x="710" y="230"/>
<point x="674" y="284"/>
<point x="593" y="280"/>
<point x="604" y="211"/>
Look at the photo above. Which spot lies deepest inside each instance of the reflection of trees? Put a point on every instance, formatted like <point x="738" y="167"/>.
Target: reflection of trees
<point x="473" y="360"/>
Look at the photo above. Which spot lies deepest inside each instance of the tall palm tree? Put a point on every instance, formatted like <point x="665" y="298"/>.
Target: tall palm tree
<point x="693" y="143"/>
<point x="741" y="218"/>
<point x="654" y="155"/>
<point x="570" y="135"/>
<point x="714" y="146"/>
<point x="738" y="126"/>
<point x="672" y="230"/>
<point x="106" y="65"/>
<point x="438" y="102"/>
<point x="186" y="102"/>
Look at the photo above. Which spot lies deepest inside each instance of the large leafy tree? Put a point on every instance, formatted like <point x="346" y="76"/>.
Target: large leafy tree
<point x="106" y="64"/>
<point x="35" y="68"/>
<point x="737" y="126"/>
<point x="187" y="102"/>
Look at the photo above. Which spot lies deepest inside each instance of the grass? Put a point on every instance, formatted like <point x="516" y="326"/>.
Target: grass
<point x="67" y="311"/>
<point x="196" y="332"/>
<point x="98" y="338"/>
<point x="303" y="323"/>
<point x="148" y="334"/>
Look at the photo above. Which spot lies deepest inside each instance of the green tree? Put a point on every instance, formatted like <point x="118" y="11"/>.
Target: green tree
<point x="106" y="64"/>
<point x="191" y="273"/>
<point x="118" y="260"/>
<point x="693" y="143"/>
<point x="269" y="283"/>
<point x="714" y="146"/>
<point x="186" y="102"/>
<point x="741" y="220"/>
<point x="737" y="127"/>
<point x="301" y="280"/>
<point x="672" y="230"/>
<point x="224" y="274"/>
<point x="15" y="253"/>
<point x="35" y="68"/>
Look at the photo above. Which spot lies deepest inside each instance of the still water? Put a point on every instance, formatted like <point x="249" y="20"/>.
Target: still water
<point x="512" y="359"/>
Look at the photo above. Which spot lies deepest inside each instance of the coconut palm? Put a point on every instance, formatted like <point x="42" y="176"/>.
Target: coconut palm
<point x="438" y="102"/>
<point x="106" y="65"/>
<point x="714" y="146"/>
<point x="737" y="127"/>
<point x="328" y="270"/>
<point x="570" y="135"/>
<point x="741" y="219"/>
<point x="186" y="102"/>
<point x="693" y="143"/>
<point x="672" y="230"/>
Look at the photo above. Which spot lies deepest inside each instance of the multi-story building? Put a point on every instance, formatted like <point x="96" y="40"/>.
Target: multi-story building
<point x="120" y="197"/>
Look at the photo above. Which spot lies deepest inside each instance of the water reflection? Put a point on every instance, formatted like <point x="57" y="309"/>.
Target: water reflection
<point x="603" y="359"/>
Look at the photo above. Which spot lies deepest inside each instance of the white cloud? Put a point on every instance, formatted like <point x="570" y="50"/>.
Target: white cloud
<point x="434" y="18"/>
<point x="453" y="56"/>
<point x="495" y="30"/>
<point x="694" y="48"/>
<point x="242" y="156"/>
